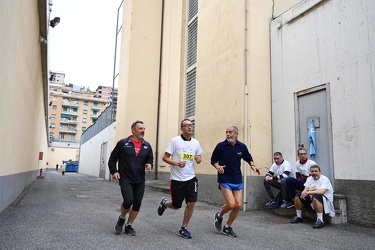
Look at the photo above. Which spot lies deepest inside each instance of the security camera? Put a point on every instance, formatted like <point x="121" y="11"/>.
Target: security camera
<point x="54" y="22"/>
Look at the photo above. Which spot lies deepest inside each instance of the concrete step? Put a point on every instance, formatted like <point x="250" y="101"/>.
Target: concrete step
<point x="340" y="210"/>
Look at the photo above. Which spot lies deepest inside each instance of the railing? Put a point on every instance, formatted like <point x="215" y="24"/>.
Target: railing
<point x="103" y="121"/>
<point x="69" y="113"/>
<point x="63" y="140"/>
<point x="70" y="104"/>
<point x="68" y="130"/>
<point x="68" y="121"/>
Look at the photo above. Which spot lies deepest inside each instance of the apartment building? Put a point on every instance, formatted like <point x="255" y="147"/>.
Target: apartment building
<point x="72" y="109"/>
<point x="106" y="93"/>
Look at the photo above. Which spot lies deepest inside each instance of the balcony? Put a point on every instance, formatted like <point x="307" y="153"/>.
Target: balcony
<point x="66" y="114"/>
<point x="94" y="116"/>
<point x="67" y="121"/>
<point x="70" y="130"/>
<point x="95" y="108"/>
<point x="70" y="104"/>
<point x="52" y="139"/>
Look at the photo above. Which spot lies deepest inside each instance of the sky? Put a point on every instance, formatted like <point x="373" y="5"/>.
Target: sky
<point x="82" y="45"/>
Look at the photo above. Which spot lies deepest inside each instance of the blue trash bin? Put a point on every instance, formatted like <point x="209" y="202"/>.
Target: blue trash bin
<point x="71" y="166"/>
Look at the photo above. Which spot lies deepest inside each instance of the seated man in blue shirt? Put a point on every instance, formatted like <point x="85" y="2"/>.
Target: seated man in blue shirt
<point x="226" y="158"/>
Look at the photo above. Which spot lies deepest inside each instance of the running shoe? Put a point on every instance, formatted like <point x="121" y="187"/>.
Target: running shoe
<point x="217" y="221"/>
<point x="184" y="233"/>
<point x="229" y="231"/>
<point x="271" y="202"/>
<point x="283" y="205"/>
<point x="296" y="219"/>
<point x="162" y="206"/>
<point x="119" y="226"/>
<point x="318" y="224"/>
<point x="130" y="231"/>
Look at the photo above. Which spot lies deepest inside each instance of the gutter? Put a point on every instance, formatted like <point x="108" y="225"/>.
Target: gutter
<point x="159" y="93"/>
<point x="246" y="110"/>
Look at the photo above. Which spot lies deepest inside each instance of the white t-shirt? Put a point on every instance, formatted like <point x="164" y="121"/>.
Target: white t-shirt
<point x="304" y="169"/>
<point x="280" y="169"/>
<point x="322" y="182"/>
<point x="181" y="150"/>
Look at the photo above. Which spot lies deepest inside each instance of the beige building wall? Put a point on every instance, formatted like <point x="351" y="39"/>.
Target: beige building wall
<point x="23" y="128"/>
<point x="232" y="78"/>
<point x="280" y="6"/>
<point x="139" y="67"/>
<point x="172" y="76"/>
<point x="225" y="65"/>
<point x="222" y="73"/>
<point x="55" y="154"/>
<point x="23" y="96"/>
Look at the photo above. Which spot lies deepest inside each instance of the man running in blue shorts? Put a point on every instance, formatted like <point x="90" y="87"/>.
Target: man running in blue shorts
<point x="226" y="158"/>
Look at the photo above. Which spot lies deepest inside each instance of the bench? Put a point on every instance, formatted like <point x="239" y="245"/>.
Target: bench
<point x="339" y="202"/>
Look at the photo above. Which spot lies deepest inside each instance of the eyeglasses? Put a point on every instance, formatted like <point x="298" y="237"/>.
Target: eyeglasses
<point x="187" y="125"/>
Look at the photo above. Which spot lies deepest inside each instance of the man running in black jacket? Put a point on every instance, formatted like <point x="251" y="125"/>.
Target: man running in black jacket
<point x="134" y="156"/>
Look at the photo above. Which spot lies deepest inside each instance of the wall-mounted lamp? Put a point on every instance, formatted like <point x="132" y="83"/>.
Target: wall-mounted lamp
<point x="54" y="22"/>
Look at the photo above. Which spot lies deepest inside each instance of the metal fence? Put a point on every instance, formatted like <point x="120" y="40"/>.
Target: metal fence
<point x="104" y="120"/>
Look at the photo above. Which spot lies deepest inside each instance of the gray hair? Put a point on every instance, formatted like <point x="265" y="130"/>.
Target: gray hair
<point x="235" y="128"/>
<point x="134" y="125"/>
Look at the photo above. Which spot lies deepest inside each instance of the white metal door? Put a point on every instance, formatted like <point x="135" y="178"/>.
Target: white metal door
<point x="103" y="160"/>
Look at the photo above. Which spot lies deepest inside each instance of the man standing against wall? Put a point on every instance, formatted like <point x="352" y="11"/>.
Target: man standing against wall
<point x="181" y="152"/>
<point x="134" y="156"/>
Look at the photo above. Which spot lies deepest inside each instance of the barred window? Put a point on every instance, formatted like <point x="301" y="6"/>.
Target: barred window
<point x="193" y="8"/>
<point x="192" y="43"/>
<point x="191" y="58"/>
<point x="190" y="94"/>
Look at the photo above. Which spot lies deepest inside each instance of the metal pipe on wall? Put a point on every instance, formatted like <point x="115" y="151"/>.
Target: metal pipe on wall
<point x="159" y="93"/>
<point x="246" y="96"/>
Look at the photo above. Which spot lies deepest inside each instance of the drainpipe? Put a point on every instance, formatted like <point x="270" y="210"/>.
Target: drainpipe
<point x="246" y="114"/>
<point x="159" y="94"/>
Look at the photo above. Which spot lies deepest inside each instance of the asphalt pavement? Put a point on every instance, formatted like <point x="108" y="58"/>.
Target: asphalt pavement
<point x="76" y="211"/>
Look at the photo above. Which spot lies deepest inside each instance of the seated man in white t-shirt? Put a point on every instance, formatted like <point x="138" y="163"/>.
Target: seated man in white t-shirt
<point x="317" y="186"/>
<point x="279" y="170"/>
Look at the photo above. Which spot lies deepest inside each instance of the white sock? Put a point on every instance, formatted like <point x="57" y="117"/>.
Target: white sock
<point x="299" y="213"/>
<point x="319" y="216"/>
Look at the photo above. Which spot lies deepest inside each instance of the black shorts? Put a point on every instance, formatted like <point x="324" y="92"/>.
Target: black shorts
<point x="132" y="194"/>
<point x="181" y="190"/>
